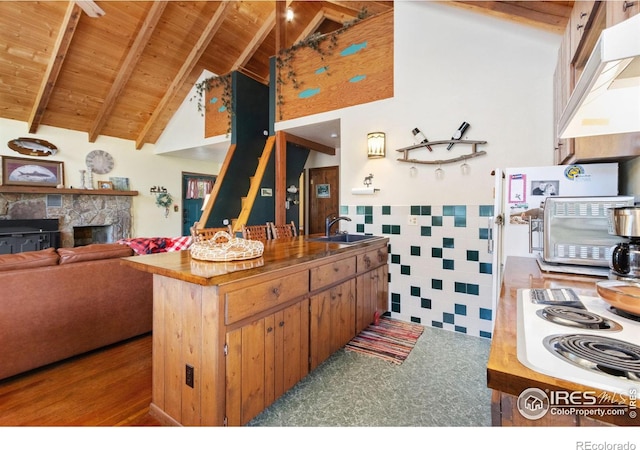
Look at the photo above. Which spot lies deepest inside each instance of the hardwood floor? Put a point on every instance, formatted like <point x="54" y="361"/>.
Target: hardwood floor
<point x="107" y="387"/>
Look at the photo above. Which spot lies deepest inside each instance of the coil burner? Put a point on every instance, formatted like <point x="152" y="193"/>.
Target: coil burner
<point x="597" y="353"/>
<point x="577" y="318"/>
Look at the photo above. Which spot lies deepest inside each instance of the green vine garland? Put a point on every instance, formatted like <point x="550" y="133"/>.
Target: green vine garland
<point x="212" y="83"/>
<point x="285" y="58"/>
<point x="164" y="200"/>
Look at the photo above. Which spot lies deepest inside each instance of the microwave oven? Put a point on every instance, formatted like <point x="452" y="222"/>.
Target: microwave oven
<point x="576" y="230"/>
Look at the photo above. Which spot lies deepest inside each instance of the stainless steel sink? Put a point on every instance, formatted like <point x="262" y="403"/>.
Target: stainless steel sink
<point x="343" y="238"/>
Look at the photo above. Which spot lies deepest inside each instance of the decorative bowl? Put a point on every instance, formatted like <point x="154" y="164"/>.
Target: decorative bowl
<point x="623" y="295"/>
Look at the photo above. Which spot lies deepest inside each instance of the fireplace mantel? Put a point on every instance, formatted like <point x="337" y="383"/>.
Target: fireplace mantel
<point x="52" y="190"/>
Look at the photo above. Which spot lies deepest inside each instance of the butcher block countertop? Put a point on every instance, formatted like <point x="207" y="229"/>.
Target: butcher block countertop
<point x="504" y="371"/>
<point x="279" y="254"/>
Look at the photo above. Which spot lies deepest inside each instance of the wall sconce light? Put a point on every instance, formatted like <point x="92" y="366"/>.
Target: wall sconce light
<point x="376" y="144"/>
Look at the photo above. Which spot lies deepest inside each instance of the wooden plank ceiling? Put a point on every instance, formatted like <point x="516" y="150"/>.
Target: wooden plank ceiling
<point x="125" y="73"/>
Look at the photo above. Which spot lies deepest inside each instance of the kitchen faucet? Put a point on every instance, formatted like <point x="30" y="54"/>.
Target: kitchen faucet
<point x="330" y="220"/>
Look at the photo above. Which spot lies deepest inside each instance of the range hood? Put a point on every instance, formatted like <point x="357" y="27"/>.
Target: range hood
<point x="606" y="99"/>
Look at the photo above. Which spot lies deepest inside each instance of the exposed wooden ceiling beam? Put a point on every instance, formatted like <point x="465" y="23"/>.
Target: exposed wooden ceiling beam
<point x="309" y="144"/>
<point x="191" y="60"/>
<point x="311" y="27"/>
<point x="59" y="53"/>
<point x="127" y="67"/>
<point x="257" y="40"/>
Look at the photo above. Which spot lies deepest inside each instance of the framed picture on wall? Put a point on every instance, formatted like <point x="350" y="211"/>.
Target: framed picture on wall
<point x="323" y="190"/>
<point x="31" y="172"/>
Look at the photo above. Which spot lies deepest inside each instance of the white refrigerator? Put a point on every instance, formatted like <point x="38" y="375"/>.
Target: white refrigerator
<point x="519" y="193"/>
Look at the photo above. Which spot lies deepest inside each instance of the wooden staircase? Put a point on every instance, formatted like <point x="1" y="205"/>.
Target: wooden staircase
<point x="256" y="180"/>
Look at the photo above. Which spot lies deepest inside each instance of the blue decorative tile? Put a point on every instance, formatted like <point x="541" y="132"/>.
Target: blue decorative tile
<point x="425" y="303"/>
<point x="415" y="319"/>
<point x="473" y="255"/>
<point x="460" y="211"/>
<point x="415" y="291"/>
<point x="447" y="264"/>
<point x="483" y="233"/>
<point x="436" y="221"/>
<point x="448" y="210"/>
<point x="459" y="222"/>
<point x="415" y="210"/>
<point x="436" y="284"/>
<point x="436" y="324"/>
<point x="448" y="242"/>
<point x="485" y="334"/>
<point x="386" y="210"/>
<point x="415" y="250"/>
<point x="436" y="252"/>
<point x="425" y="231"/>
<point x="486" y="268"/>
<point x="473" y="289"/>
<point x="461" y="310"/>
<point x="448" y="318"/>
<point x="485" y="314"/>
<point x="460" y="287"/>
<point x="425" y="210"/>
<point x="405" y="270"/>
<point x="486" y="210"/>
<point x="460" y="329"/>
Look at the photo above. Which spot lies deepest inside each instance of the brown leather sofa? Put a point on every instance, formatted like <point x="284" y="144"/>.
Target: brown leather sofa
<point x="55" y="304"/>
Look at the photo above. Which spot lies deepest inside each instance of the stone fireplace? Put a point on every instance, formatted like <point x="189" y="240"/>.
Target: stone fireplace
<point x="103" y="217"/>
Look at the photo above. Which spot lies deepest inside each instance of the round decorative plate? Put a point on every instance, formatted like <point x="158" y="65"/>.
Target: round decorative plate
<point x="99" y="162"/>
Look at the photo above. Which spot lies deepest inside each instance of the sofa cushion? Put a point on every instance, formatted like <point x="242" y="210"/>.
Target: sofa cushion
<point x="28" y="260"/>
<point x="93" y="251"/>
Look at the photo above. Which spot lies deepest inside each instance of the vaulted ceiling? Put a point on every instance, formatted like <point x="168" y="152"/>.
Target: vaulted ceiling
<point x="124" y="72"/>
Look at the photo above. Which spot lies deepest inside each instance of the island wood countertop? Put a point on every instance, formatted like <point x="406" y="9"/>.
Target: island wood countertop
<point x="505" y="373"/>
<point x="279" y="254"/>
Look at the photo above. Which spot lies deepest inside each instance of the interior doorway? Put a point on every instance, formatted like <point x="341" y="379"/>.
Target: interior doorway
<point x="195" y="186"/>
<point x="324" y="194"/>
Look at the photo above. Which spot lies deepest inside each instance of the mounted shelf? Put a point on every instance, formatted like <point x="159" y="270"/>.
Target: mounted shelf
<point x="473" y="154"/>
<point x="53" y="190"/>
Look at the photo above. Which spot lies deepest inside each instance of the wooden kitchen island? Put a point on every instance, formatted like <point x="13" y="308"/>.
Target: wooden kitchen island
<point x="507" y="376"/>
<point x="230" y="338"/>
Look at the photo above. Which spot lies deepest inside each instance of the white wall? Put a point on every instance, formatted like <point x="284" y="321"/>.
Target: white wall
<point x="143" y="168"/>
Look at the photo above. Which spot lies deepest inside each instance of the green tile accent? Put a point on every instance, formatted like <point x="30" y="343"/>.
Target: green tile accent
<point x="460" y="211"/>
<point x="460" y="287"/>
<point x="483" y="233"/>
<point x="386" y="210"/>
<point x="415" y="291"/>
<point x="344" y="210"/>
<point x="368" y="210"/>
<point x="459" y="309"/>
<point x="473" y="255"/>
<point x="395" y="229"/>
<point x="486" y="210"/>
<point x="447" y="264"/>
<point x="459" y="221"/>
<point x="415" y="250"/>
<point x="386" y="229"/>
<point x="395" y="259"/>
<point x="368" y="218"/>
<point x="425" y="231"/>
<point x="405" y="270"/>
<point x="486" y="268"/>
<point x="447" y="243"/>
<point x="415" y="210"/>
<point x="436" y="221"/>
<point x="425" y="303"/>
<point x="360" y="228"/>
<point x="425" y="210"/>
<point x="473" y="289"/>
<point x="436" y="284"/>
<point x="360" y="210"/>
<point x="436" y="252"/>
<point x="448" y="210"/>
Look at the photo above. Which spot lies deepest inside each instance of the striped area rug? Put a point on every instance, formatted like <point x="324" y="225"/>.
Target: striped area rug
<point x="391" y="340"/>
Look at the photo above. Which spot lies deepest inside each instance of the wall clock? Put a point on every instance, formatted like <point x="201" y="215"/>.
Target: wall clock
<point x="99" y="162"/>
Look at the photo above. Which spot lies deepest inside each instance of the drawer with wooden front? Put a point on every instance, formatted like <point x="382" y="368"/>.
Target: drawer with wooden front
<point x="253" y="299"/>
<point x="372" y="259"/>
<point x="331" y="273"/>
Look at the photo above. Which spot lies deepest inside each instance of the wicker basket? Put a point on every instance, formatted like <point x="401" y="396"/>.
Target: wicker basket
<point x="223" y="247"/>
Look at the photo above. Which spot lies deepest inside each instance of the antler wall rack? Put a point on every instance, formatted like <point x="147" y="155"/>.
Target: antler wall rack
<point x="473" y="154"/>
